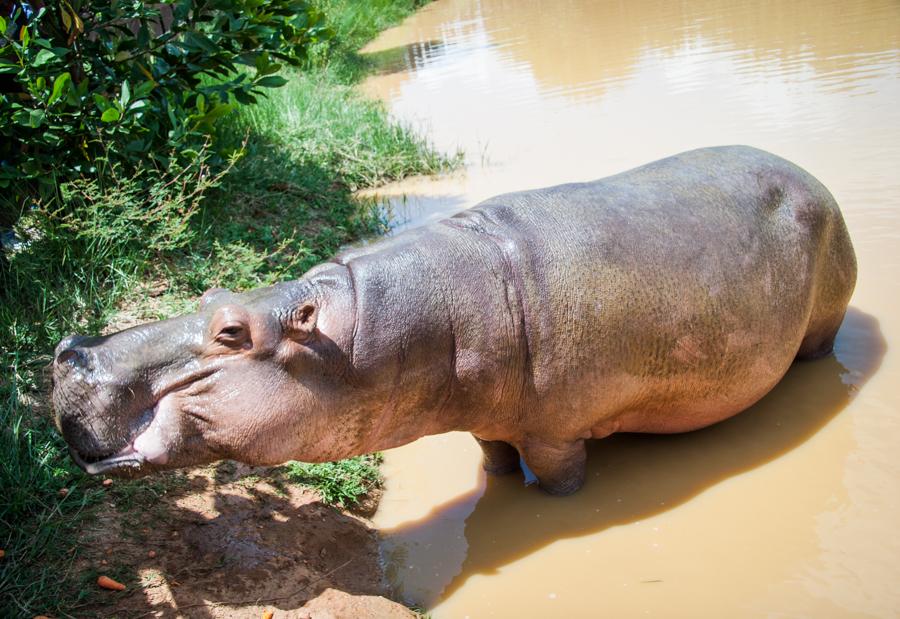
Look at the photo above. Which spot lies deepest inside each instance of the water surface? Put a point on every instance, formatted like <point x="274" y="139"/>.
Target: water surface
<point x="787" y="510"/>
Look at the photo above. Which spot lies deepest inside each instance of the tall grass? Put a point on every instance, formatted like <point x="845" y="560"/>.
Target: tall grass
<point x="340" y="483"/>
<point x="317" y="120"/>
<point x="145" y="246"/>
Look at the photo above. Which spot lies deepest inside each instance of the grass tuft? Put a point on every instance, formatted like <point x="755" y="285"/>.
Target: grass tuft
<point x="341" y="483"/>
<point x="315" y="119"/>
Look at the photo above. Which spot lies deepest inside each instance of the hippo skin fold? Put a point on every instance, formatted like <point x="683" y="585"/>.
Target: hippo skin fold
<point x="663" y="299"/>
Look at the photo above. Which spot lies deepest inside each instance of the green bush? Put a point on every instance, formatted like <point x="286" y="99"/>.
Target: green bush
<point x="87" y="83"/>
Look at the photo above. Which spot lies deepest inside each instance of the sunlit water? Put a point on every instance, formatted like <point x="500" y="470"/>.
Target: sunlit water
<point x="788" y="510"/>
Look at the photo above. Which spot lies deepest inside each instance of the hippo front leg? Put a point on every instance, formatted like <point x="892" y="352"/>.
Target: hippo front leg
<point x="499" y="457"/>
<point x="559" y="468"/>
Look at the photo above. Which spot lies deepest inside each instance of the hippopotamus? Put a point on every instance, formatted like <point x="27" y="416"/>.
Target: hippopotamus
<point x="662" y="299"/>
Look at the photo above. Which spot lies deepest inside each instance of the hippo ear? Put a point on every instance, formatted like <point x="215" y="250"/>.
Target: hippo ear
<point x="212" y="295"/>
<point x="300" y="324"/>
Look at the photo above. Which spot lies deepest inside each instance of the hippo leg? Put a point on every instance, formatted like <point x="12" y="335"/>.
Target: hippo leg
<point x="820" y="342"/>
<point x="558" y="467"/>
<point x="816" y="346"/>
<point x="499" y="458"/>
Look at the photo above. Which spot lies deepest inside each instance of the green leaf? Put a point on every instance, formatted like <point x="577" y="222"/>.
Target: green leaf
<point x="71" y="21"/>
<point x="36" y="117"/>
<point x="196" y="41"/>
<point x="143" y="89"/>
<point x="271" y="81"/>
<point x="244" y="97"/>
<point x="214" y="114"/>
<point x="275" y="67"/>
<point x="101" y="101"/>
<point x="60" y="84"/>
<point x="261" y="62"/>
<point x="111" y="115"/>
<point x="43" y="57"/>
<point x="125" y="96"/>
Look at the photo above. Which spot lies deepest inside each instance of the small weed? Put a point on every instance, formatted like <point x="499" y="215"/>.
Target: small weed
<point x="127" y="495"/>
<point x="341" y="483"/>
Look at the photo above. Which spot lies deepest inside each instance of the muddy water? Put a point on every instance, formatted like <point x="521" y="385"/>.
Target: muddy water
<point x="787" y="510"/>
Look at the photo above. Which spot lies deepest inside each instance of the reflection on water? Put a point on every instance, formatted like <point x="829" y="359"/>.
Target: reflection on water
<point x="788" y="509"/>
<point x="537" y="97"/>
<point x="407" y="58"/>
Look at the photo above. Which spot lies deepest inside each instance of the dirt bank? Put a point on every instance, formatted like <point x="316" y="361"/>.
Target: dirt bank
<point x="228" y="541"/>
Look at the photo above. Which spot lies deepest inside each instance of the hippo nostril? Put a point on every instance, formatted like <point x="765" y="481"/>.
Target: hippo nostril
<point x="70" y="341"/>
<point x="71" y="356"/>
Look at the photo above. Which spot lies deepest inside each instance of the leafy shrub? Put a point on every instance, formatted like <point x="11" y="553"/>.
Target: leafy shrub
<point x="87" y="82"/>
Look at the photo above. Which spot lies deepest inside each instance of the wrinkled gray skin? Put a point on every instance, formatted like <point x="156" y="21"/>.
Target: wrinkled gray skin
<point x="663" y="299"/>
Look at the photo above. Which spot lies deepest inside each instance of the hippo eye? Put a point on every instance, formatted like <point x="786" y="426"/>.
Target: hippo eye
<point x="231" y="334"/>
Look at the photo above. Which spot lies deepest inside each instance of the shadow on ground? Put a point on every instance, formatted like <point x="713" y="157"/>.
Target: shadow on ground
<point x="230" y="542"/>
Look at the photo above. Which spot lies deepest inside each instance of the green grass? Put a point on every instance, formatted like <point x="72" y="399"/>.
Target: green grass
<point x="146" y="246"/>
<point x="339" y="483"/>
<point x="317" y="120"/>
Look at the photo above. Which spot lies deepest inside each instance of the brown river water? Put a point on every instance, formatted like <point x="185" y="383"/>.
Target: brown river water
<point x="790" y="509"/>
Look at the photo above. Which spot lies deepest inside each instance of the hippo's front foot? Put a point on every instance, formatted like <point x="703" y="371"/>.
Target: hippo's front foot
<point x="499" y="457"/>
<point x="559" y="468"/>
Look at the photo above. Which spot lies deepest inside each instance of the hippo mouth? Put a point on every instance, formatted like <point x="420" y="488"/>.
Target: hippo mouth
<point x="149" y="442"/>
<point x="154" y="431"/>
<point x="126" y="458"/>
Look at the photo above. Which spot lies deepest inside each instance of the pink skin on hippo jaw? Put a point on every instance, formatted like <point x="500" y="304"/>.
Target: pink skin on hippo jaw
<point x="173" y="393"/>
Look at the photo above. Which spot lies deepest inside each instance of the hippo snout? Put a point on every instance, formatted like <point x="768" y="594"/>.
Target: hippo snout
<point x="95" y="415"/>
<point x="87" y="431"/>
<point x="117" y="397"/>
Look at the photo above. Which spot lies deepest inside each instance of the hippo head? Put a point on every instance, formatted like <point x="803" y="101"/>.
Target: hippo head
<point x="248" y="377"/>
